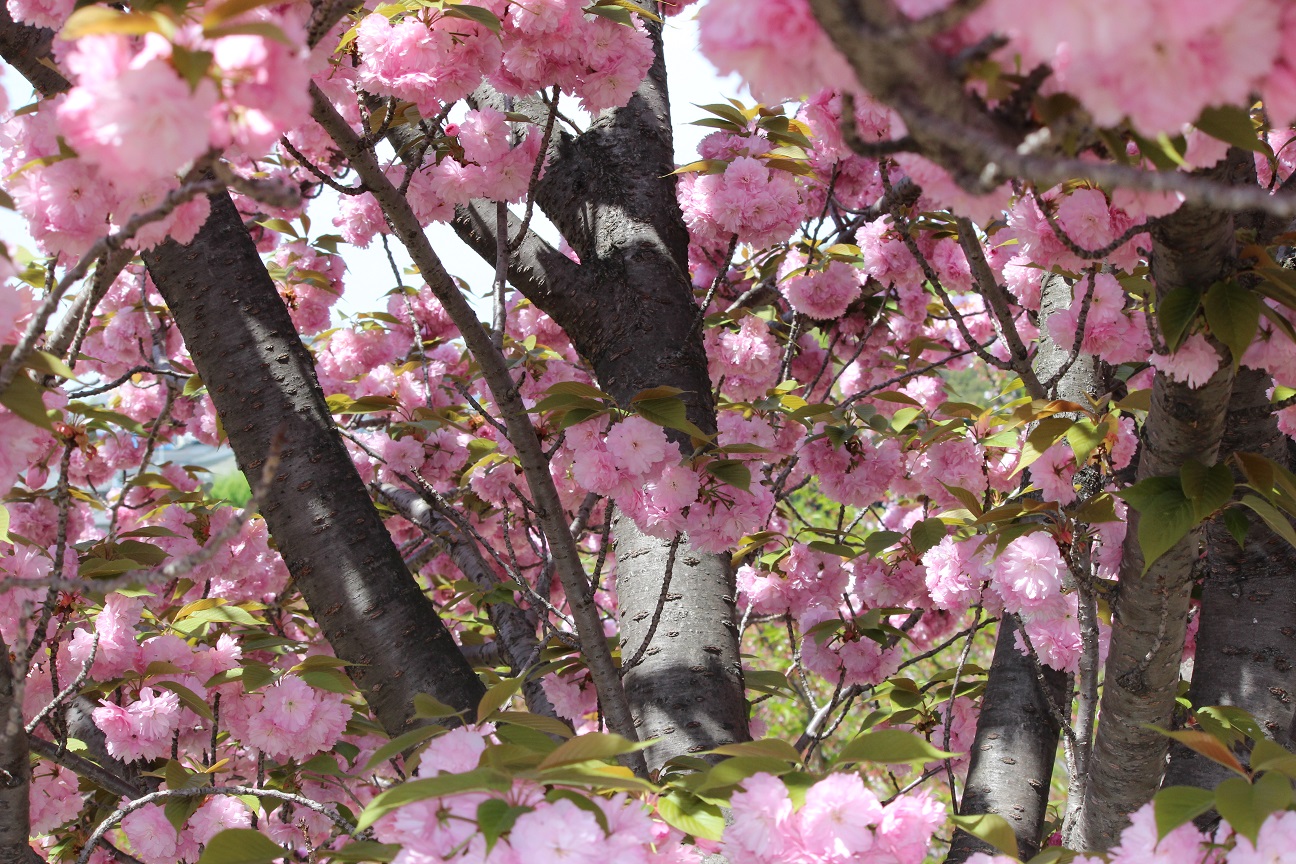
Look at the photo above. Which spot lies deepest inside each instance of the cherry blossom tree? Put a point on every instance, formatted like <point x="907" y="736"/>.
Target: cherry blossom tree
<point x="806" y="502"/>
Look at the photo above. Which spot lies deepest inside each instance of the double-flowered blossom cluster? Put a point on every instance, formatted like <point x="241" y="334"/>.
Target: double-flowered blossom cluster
<point x="142" y="109"/>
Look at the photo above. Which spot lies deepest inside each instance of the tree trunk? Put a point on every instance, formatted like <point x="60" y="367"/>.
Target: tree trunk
<point x="1246" y="642"/>
<point x="630" y="312"/>
<point x="15" y="772"/>
<point x="262" y="381"/>
<point x="1192" y="247"/>
<point x="1014" y="750"/>
<point x="1017" y="732"/>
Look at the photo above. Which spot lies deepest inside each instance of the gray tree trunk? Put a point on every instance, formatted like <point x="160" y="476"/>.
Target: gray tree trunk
<point x="1194" y="246"/>
<point x="1011" y="765"/>
<point x="1246" y="641"/>
<point x="629" y="310"/>
<point x="1016" y="742"/>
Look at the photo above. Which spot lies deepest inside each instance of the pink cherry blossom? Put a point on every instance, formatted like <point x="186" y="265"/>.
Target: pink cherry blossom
<point x="143" y="123"/>
<point x="1029" y="572"/>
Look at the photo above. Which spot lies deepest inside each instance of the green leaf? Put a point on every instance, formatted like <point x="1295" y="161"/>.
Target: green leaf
<point x="1208" y="489"/>
<point x="597" y="775"/>
<point x="1045" y="434"/>
<point x="329" y="680"/>
<point x="727" y="111"/>
<point x="47" y="364"/>
<point x="576" y="388"/>
<point x="232" y="9"/>
<point x="736" y="769"/>
<point x="1232" y="124"/>
<point x="703" y="166"/>
<point x="1272" y="517"/>
<point x="1175" y="313"/>
<point x="1084" y="436"/>
<point x="1246" y="805"/>
<point x="926" y="534"/>
<point x="495" y="817"/>
<point x="593" y="745"/>
<point x="496" y="696"/>
<point x="100" y="20"/>
<point x="484" y="17"/>
<point x="400" y="744"/>
<point x="732" y="472"/>
<point x="1237" y="524"/>
<point x="23" y="397"/>
<point x="668" y="411"/>
<point x="880" y="541"/>
<point x="527" y="738"/>
<point x="839" y="549"/>
<point x="769" y="681"/>
<point x="1268" y="756"/>
<point x="364" y="851"/>
<point x="241" y="846"/>
<point x="992" y="828"/>
<point x="1165" y="515"/>
<point x="773" y="748"/>
<point x="188" y="698"/>
<point x="538" y="722"/>
<point x="264" y="29"/>
<point x="178" y="810"/>
<point x="1177" y="805"/>
<point x="282" y="226"/>
<point x="1233" y="314"/>
<point x="612" y="13"/>
<point x="890" y="746"/>
<point x="478" y="780"/>
<point x="192" y="65"/>
<point x="903" y="417"/>
<point x="691" y="815"/>
<point x="967" y="498"/>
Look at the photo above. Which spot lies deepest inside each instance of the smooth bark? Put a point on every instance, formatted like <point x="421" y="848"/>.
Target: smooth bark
<point x="1014" y="750"/>
<point x="15" y="772"/>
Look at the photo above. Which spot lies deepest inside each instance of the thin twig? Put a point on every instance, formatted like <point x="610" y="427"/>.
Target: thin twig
<point x="67" y="691"/>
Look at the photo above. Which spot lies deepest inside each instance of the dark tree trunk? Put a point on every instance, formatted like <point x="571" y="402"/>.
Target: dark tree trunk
<point x="1015" y="747"/>
<point x="1192" y="247"/>
<point x="262" y="381"/>
<point x="1246" y="641"/>
<point x="15" y="772"/>
<point x="629" y="310"/>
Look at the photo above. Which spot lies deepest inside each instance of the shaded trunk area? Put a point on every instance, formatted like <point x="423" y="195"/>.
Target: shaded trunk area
<point x="1015" y="747"/>
<point x="1246" y="641"/>
<point x="15" y="772"/>
<point x="1192" y="248"/>
<point x="262" y="382"/>
<point x="630" y="311"/>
